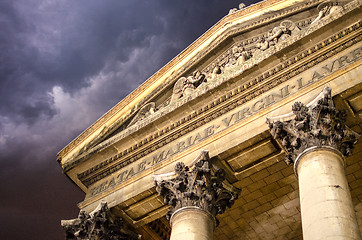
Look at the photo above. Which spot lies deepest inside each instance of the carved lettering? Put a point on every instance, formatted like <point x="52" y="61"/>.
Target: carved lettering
<point x="329" y="69"/>
<point x="158" y="158"/>
<point x="169" y="153"/>
<point x="121" y="175"/>
<point x="244" y="111"/>
<point x="180" y="146"/>
<point x="229" y="120"/>
<point x="316" y="76"/>
<point x="300" y="83"/>
<point x="356" y="54"/>
<point x="111" y="183"/>
<point x="258" y="105"/>
<point x="343" y="61"/>
<point x="198" y="138"/>
<point x="209" y="131"/>
<point x="189" y="141"/>
<point x="141" y="166"/>
<point x="130" y="173"/>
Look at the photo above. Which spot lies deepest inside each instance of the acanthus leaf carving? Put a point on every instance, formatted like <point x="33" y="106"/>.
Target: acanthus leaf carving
<point x="197" y="186"/>
<point x="319" y="124"/>
<point x="100" y="224"/>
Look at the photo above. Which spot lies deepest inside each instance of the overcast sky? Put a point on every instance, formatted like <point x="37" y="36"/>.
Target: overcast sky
<point x="63" y="64"/>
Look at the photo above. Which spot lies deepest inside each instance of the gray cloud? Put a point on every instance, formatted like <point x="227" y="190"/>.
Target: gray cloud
<point x="62" y="65"/>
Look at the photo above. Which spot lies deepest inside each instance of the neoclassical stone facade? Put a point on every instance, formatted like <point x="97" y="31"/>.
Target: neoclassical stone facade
<point x="252" y="132"/>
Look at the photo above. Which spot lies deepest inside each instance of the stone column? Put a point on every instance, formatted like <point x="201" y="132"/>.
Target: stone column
<point x="196" y="196"/>
<point x="99" y="224"/>
<point x="192" y="223"/>
<point x="316" y="141"/>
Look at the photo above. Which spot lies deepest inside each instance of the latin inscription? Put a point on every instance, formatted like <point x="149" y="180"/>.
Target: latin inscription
<point x="229" y="120"/>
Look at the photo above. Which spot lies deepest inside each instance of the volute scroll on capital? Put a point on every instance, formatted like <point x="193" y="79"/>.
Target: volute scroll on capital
<point x="317" y="124"/>
<point x="99" y="224"/>
<point x="196" y="186"/>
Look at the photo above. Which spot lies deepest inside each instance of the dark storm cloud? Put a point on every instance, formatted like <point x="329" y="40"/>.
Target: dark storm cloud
<point x="63" y="64"/>
<point x="65" y="43"/>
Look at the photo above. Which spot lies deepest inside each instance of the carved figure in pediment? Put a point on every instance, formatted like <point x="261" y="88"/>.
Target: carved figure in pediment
<point x="325" y="9"/>
<point x="213" y="71"/>
<point x="290" y="27"/>
<point x="237" y="56"/>
<point x="185" y="86"/>
<point x="193" y="82"/>
<point x="277" y="34"/>
<point x="282" y="32"/>
<point x="144" y="112"/>
<point x="262" y="44"/>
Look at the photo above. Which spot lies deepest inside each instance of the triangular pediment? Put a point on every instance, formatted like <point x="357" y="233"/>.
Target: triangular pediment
<point x="243" y="57"/>
<point x="221" y="95"/>
<point x="239" y="46"/>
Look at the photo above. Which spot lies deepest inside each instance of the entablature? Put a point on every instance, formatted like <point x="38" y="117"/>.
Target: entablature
<point x="229" y="108"/>
<point x="244" y="27"/>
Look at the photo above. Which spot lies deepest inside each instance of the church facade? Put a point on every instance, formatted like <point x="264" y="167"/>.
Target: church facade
<point x="250" y="133"/>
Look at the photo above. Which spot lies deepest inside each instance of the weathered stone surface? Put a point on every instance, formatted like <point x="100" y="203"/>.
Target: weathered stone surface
<point x="319" y="124"/>
<point x="197" y="187"/>
<point x="98" y="225"/>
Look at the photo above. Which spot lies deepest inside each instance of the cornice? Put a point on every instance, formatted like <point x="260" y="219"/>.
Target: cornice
<point x="232" y="99"/>
<point x="226" y="21"/>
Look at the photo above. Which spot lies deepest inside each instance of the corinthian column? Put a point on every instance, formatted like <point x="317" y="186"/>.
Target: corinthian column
<point x="316" y="141"/>
<point x="196" y="196"/>
<point x="99" y="224"/>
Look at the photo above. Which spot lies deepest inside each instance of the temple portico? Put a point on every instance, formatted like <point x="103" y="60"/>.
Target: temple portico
<point x="252" y="132"/>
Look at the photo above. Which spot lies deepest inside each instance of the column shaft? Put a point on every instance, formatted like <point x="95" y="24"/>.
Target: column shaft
<point x="192" y="223"/>
<point x="326" y="205"/>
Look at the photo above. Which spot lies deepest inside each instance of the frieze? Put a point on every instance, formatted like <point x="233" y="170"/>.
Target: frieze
<point x="184" y="100"/>
<point x="114" y="110"/>
<point x="220" y="124"/>
<point x="238" y="54"/>
<point x="85" y="176"/>
<point x="248" y="65"/>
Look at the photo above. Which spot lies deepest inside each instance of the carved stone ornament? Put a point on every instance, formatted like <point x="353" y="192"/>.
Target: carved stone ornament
<point x="317" y="124"/>
<point x="197" y="186"/>
<point x="144" y="112"/>
<point x="326" y="8"/>
<point x="98" y="225"/>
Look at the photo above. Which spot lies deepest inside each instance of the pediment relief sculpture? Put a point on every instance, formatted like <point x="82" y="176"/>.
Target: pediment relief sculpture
<point x="145" y="111"/>
<point x="186" y="85"/>
<point x="235" y="57"/>
<point x="327" y="8"/>
<point x="242" y="55"/>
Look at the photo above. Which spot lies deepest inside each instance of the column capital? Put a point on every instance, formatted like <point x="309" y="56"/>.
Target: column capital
<point x="99" y="224"/>
<point x="196" y="186"/>
<point x="317" y="124"/>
